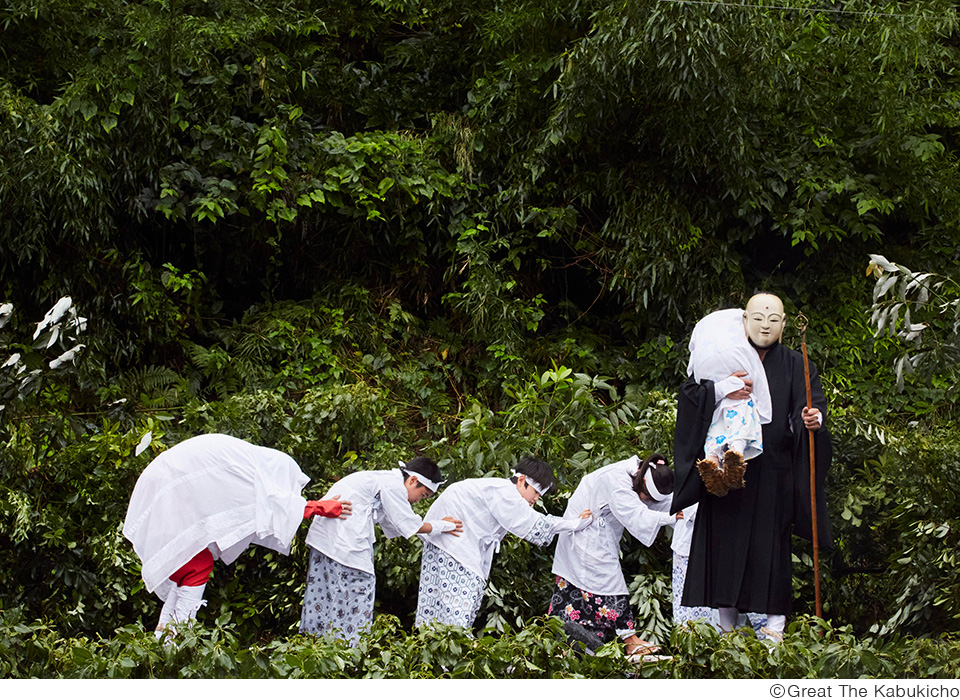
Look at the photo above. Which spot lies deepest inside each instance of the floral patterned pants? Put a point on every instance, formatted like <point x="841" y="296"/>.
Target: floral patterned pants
<point x="607" y="616"/>
<point x="338" y="599"/>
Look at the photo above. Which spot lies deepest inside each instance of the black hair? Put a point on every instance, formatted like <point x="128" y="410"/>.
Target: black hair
<point x="537" y="470"/>
<point x="658" y="466"/>
<point x="422" y="466"/>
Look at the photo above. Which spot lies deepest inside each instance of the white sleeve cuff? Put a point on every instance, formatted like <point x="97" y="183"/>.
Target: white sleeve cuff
<point x="442" y="526"/>
<point x="725" y="386"/>
<point x="570" y="524"/>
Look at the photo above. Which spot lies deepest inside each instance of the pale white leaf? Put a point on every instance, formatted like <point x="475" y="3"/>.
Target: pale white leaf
<point x="887" y="284"/>
<point x="6" y="311"/>
<point x="144" y="443"/>
<point x="69" y="356"/>
<point x="54" y="335"/>
<point x="53" y="315"/>
<point x="884" y="264"/>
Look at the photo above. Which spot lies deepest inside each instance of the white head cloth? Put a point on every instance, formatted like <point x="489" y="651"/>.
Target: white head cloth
<point x="533" y="484"/>
<point x="651" y="487"/>
<point x="719" y="347"/>
<point x="432" y="485"/>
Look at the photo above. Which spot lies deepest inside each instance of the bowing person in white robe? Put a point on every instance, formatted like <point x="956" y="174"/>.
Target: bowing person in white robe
<point x="453" y="572"/>
<point x="207" y="498"/>
<point x="341" y="580"/>
<point x="590" y="588"/>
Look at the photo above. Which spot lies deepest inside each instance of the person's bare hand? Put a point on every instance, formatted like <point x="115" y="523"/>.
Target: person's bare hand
<point x="745" y="391"/>
<point x="811" y="418"/>
<point x="586" y="514"/>
<point x="457" y="530"/>
<point x="346" y="508"/>
<point x="679" y="515"/>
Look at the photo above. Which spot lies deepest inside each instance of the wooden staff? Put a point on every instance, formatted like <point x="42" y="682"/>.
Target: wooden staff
<point x="801" y="324"/>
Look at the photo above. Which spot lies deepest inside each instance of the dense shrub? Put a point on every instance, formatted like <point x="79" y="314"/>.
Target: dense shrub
<point x="67" y="479"/>
<point x="539" y="649"/>
<point x="434" y="228"/>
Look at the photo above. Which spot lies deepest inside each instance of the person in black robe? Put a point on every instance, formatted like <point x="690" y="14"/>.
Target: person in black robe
<point x="740" y="558"/>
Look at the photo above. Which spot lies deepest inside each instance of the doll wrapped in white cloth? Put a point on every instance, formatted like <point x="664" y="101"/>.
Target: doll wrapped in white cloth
<point x="719" y="350"/>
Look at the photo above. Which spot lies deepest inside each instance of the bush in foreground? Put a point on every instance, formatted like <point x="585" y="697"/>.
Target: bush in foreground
<point x="812" y="649"/>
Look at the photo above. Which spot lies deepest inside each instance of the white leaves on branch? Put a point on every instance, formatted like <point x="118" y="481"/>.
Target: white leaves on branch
<point x="60" y="328"/>
<point x="883" y="285"/>
<point x="53" y="315"/>
<point x="6" y="311"/>
<point x="900" y="293"/>
<point x="66" y="357"/>
<point x="912" y="331"/>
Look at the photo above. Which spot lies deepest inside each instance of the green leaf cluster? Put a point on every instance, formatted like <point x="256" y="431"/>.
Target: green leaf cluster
<point x="361" y="231"/>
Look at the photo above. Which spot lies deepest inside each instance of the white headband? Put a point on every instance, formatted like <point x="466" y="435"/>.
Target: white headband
<point x="533" y="484"/>
<point x="432" y="485"/>
<point x="651" y="487"/>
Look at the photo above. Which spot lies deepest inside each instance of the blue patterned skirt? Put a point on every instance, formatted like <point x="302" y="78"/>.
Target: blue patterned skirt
<point x="449" y="593"/>
<point x="338" y="599"/>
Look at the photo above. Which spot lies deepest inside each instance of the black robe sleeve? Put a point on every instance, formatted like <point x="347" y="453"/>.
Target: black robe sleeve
<point x="695" y="404"/>
<point x="823" y="453"/>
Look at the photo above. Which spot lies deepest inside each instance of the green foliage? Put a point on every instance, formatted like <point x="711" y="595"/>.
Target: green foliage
<point x="930" y="323"/>
<point x="812" y="649"/>
<point x="361" y="231"/>
<point x="56" y="336"/>
<point x="893" y="569"/>
<point x="651" y="597"/>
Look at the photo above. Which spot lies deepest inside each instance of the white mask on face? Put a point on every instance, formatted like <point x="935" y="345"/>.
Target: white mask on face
<point x="764" y="320"/>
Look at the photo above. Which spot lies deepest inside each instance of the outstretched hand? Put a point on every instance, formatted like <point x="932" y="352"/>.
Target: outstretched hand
<point x="457" y="530"/>
<point x="347" y="507"/>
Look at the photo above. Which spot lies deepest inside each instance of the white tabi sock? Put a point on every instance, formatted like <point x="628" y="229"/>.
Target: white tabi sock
<point x="776" y="623"/>
<point x="189" y="600"/>
<point x="166" y="612"/>
<point x="728" y="619"/>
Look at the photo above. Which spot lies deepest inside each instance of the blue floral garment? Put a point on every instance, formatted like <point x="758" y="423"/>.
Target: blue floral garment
<point x="338" y="599"/>
<point x="449" y="593"/>
<point x="682" y="613"/>
<point x="736" y="427"/>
